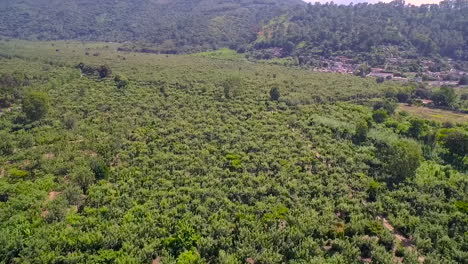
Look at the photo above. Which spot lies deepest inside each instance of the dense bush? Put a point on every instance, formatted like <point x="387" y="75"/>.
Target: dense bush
<point x="445" y="96"/>
<point x="274" y="94"/>
<point x="35" y="105"/>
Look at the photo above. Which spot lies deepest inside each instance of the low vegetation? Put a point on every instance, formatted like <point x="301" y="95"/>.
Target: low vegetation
<point x="191" y="159"/>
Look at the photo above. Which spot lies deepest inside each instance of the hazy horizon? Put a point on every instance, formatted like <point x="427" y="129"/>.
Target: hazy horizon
<point x="346" y="2"/>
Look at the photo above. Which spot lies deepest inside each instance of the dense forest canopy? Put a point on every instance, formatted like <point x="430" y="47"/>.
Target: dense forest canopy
<point x="174" y="24"/>
<point x="301" y="29"/>
<point x="383" y="29"/>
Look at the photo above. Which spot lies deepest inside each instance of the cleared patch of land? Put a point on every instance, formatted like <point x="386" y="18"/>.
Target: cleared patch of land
<point x="434" y="114"/>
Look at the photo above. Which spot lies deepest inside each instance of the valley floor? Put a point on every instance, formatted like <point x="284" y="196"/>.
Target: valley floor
<point x="145" y="158"/>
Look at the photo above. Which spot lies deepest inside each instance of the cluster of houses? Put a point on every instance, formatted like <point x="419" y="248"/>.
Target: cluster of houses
<point x="339" y="64"/>
<point x="344" y="65"/>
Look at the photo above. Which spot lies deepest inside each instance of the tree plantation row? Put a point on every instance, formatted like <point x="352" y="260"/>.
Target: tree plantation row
<point x="143" y="158"/>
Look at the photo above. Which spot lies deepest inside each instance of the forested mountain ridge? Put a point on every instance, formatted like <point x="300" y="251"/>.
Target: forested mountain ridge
<point x="375" y="30"/>
<point x="369" y="31"/>
<point x="175" y="25"/>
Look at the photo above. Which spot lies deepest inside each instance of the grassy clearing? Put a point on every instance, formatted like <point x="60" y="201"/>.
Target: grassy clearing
<point x="298" y="86"/>
<point x="225" y="53"/>
<point x="438" y="115"/>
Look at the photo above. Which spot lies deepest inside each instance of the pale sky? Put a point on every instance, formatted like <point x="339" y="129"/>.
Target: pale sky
<point x="346" y="2"/>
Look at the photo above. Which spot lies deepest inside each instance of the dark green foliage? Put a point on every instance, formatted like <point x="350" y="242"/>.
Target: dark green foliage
<point x="10" y="87"/>
<point x="55" y="210"/>
<point x="35" y="105"/>
<point x="423" y="93"/>
<point x="446" y="97"/>
<point x="100" y="169"/>
<point x="275" y="94"/>
<point x="198" y="25"/>
<point x="400" y="159"/>
<point x="363" y="70"/>
<point x="294" y="29"/>
<point x="463" y="80"/>
<point x="121" y="82"/>
<point x="387" y="105"/>
<point x="6" y="147"/>
<point x="232" y="86"/>
<point x="380" y="79"/>
<point x="86" y="69"/>
<point x="374" y="189"/>
<point x="73" y="194"/>
<point x="362" y="128"/>
<point x="417" y="128"/>
<point x="380" y="115"/>
<point x="330" y="29"/>
<point x="456" y="142"/>
<point x="104" y="71"/>
<point x="402" y="97"/>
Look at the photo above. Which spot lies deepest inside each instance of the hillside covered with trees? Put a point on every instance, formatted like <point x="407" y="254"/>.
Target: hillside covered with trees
<point x="374" y="31"/>
<point x="369" y="32"/>
<point x="172" y="25"/>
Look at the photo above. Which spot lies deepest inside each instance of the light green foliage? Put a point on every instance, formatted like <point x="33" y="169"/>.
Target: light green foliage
<point x="83" y="176"/>
<point x="189" y="257"/>
<point x="15" y="173"/>
<point x="167" y="169"/>
<point x="224" y="53"/>
<point x="225" y="258"/>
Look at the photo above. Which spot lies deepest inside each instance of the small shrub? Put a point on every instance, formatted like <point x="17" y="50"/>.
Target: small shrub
<point x="232" y="86"/>
<point x="274" y="94"/>
<point x="463" y="80"/>
<point x="379" y="115"/>
<point x="121" y="82"/>
<point x="17" y="173"/>
<point x="361" y="132"/>
<point x="104" y="71"/>
<point x="70" y="122"/>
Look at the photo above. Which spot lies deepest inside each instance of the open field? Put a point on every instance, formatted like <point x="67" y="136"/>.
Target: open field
<point x="433" y="114"/>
